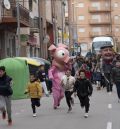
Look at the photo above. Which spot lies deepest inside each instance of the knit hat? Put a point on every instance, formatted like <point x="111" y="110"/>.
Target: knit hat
<point x="2" y="68"/>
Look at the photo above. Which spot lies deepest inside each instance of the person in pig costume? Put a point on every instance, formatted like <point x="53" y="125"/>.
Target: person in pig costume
<point x="59" y="66"/>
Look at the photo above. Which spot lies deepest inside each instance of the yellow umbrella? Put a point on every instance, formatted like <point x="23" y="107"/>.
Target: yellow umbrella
<point x="30" y="61"/>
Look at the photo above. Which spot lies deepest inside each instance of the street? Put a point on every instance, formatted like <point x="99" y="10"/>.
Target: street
<point x="104" y="114"/>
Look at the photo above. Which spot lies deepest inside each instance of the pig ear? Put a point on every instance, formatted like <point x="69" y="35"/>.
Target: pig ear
<point x="52" y="48"/>
<point x="62" y="45"/>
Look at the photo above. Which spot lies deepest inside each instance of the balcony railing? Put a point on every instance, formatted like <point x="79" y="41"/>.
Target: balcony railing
<point x="10" y="16"/>
<point x="100" y="22"/>
<point x="101" y="9"/>
<point x="32" y="40"/>
<point x="34" y="25"/>
<point x="101" y="33"/>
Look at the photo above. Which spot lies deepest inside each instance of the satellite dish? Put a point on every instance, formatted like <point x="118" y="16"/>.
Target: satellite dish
<point x="7" y="4"/>
<point x="31" y="15"/>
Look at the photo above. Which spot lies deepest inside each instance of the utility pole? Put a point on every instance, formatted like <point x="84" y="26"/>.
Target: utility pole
<point x="18" y="29"/>
<point x="62" y="16"/>
<point x="40" y="28"/>
<point x="54" y="20"/>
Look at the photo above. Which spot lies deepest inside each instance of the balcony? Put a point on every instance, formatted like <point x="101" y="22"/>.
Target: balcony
<point x="102" y="33"/>
<point x="100" y="22"/>
<point x="32" y="40"/>
<point x="9" y="17"/>
<point x="101" y="9"/>
<point x="34" y="25"/>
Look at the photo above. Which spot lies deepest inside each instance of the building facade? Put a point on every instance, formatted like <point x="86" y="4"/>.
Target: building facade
<point x="91" y="18"/>
<point x="29" y="27"/>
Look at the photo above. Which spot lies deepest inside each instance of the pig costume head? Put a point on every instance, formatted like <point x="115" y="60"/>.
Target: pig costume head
<point x="60" y="55"/>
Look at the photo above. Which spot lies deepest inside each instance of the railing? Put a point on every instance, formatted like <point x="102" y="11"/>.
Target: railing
<point x="101" y="33"/>
<point x="101" y="9"/>
<point x="32" y="40"/>
<point x="100" y="22"/>
<point x="12" y="13"/>
<point x="34" y="23"/>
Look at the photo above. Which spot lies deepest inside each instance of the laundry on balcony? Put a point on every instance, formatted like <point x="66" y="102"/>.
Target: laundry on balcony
<point x="32" y="40"/>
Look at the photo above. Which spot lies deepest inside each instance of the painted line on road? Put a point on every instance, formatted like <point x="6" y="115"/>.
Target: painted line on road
<point x="17" y="113"/>
<point x="109" y="125"/>
<point x="109" y="106"/>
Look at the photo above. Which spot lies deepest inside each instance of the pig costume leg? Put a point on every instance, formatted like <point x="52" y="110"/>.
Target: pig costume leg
<point x="58" y="94"/>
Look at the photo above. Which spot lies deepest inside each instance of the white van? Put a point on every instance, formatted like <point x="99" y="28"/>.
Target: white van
<point x="98" y="42"/>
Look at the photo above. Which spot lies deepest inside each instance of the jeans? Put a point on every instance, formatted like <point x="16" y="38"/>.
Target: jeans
<point x="7" y="100"/>
<point x="35" y="102"/>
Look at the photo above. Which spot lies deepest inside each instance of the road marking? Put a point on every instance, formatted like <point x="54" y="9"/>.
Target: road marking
<point x="17" y="113"/>
<point x="109" y="125"/>
<point x="110" y="106"/>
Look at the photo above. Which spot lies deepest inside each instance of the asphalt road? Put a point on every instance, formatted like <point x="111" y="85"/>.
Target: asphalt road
<point x="104" y="114"/>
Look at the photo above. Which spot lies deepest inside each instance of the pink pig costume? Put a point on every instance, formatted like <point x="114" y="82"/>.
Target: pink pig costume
<point x="59" y="66"/>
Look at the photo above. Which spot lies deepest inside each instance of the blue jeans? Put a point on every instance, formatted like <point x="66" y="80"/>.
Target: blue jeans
<point x="118" y="88"/>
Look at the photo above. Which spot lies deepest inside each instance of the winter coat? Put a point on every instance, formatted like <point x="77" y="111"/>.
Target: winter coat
<point x="5" y="85"/>
<point x="83" y="87"/>
<point x="115" y="74"/>
<point x="34" y="89"/>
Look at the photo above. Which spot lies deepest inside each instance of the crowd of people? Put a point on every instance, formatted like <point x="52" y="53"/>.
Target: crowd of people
<point x="103" y="70"/>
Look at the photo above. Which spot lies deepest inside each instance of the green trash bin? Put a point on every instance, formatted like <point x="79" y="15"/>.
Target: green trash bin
<point x="19" y="71"/>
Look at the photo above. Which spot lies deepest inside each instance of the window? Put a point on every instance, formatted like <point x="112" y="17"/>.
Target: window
<point x="96" y="4"/>
<point x="107" y="4"/>
<point x="81" y="17"/>
<point x="96" y="29"/>
<point x="117" y="29"/>
<point x="116" y="17"/>
<point x="80" y="5"/>
<point x="116" y="5"/>
<point x="81" y="30"/>
<point x="95" y="16"/>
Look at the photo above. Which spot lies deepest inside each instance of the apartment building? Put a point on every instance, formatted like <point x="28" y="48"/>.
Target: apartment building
<point x="91" y="18"/>
<point x="29" y="27"/>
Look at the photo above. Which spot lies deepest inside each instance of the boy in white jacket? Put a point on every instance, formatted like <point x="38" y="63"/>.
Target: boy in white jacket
<point x="68" y="82"/>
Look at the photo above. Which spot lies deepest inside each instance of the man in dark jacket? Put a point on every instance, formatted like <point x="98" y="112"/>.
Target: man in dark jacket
<point x="107" y="58"/>
<point x="84" y="89"/>
<point x="116" y="78"/>
<point x="5" y="93"/>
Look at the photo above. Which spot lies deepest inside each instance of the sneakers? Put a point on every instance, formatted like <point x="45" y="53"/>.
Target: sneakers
<point x="70" y="109"/>
<point x="9" y="122"/>
<point x="4" y="115"/>
<point x="55" y="108"/>
<point x="34" y="115"/>
<point x="86" y="115"/>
